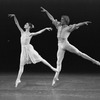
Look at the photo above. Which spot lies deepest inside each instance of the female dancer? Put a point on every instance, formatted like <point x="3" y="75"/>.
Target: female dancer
<point x="28" y="53"/>
<point x="64" y="30"/>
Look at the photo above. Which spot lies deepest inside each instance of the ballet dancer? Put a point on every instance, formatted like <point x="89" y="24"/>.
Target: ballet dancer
<point x="28" y="53"/>
<point x="63" y="32"/>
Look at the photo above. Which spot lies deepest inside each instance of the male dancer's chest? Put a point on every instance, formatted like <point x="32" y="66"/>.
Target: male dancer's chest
<point x="63" y="33"/>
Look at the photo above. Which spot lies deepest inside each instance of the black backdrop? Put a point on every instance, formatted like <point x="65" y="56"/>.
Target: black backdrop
<point x="86" y="38"/>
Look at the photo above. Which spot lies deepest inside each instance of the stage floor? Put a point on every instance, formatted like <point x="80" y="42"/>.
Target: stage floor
<point x="38" y="87"/>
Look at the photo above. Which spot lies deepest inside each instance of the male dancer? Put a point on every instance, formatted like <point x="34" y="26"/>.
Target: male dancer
<point x="63" y="32"/>
<point x="28" y="53"/>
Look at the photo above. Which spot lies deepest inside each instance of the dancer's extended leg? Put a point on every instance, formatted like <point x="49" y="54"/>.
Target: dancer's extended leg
<point x="35" y="57"/>
<point x="60" y="56"/>
<point x="73" y="49"/>
<point x="45" y="62"/>
<point x="21" y="69"/>
<point x="19" y="75"/>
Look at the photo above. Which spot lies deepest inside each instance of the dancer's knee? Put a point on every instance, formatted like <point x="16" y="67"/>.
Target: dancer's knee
<point x="58" y="63"/>
<point x="78" y="52"/>
<point x="81" y="54"/>
<point x="59" y="68"/>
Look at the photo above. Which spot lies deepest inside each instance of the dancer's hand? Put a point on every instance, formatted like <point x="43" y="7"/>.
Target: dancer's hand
<point x="87" y="22"/>
<point x="49" y="29"/>
<point x="43" y="10"/>
<point x="11" y="15"/>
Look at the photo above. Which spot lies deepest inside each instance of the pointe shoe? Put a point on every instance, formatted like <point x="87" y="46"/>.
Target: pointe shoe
<point x="17" y="82"/>
<point x="53" y="82"/>
<point x="98" y="63"/>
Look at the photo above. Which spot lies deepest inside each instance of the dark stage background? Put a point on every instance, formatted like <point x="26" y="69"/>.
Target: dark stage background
<point x="86" y="38"/>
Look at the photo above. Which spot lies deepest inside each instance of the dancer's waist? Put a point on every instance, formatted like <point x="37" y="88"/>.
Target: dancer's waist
<point x="27" y="46"/>
<point x="60" y="39"/>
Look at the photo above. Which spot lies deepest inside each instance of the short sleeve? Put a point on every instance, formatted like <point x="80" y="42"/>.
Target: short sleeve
<point x="56" y="23"/>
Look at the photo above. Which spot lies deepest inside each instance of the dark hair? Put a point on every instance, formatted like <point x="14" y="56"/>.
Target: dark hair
<point x="30" y="25"/>
<point x="65" y="20"/>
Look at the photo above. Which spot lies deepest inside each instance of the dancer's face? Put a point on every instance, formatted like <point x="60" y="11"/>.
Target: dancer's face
<point x="26" y="26"/>
<point x="65" y="20"/>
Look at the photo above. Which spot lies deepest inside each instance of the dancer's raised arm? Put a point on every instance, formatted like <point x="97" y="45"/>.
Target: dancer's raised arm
<point x="54" y="21"/>
<point x="39" y="32"/>
<point x="16" y="22"/>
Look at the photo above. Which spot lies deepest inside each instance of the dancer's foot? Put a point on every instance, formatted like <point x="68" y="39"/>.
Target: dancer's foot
<point x="55" y="78"/>
<point x="17" y="82"/>
<point x="98" y="63"/>
<point x="53" y="82"/>
<point x="54" y="69"/>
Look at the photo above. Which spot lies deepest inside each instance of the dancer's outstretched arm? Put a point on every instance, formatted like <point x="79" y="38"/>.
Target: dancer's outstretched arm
<point x="82" y="23"/>
<point x="16" y="22"/>
<point x="76" y="26"/>
<point x="41" y="31"/>
<point x="54" y="21"/>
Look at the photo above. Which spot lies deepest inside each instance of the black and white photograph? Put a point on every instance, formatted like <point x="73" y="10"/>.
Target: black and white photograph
<point x="49" y="50"/>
